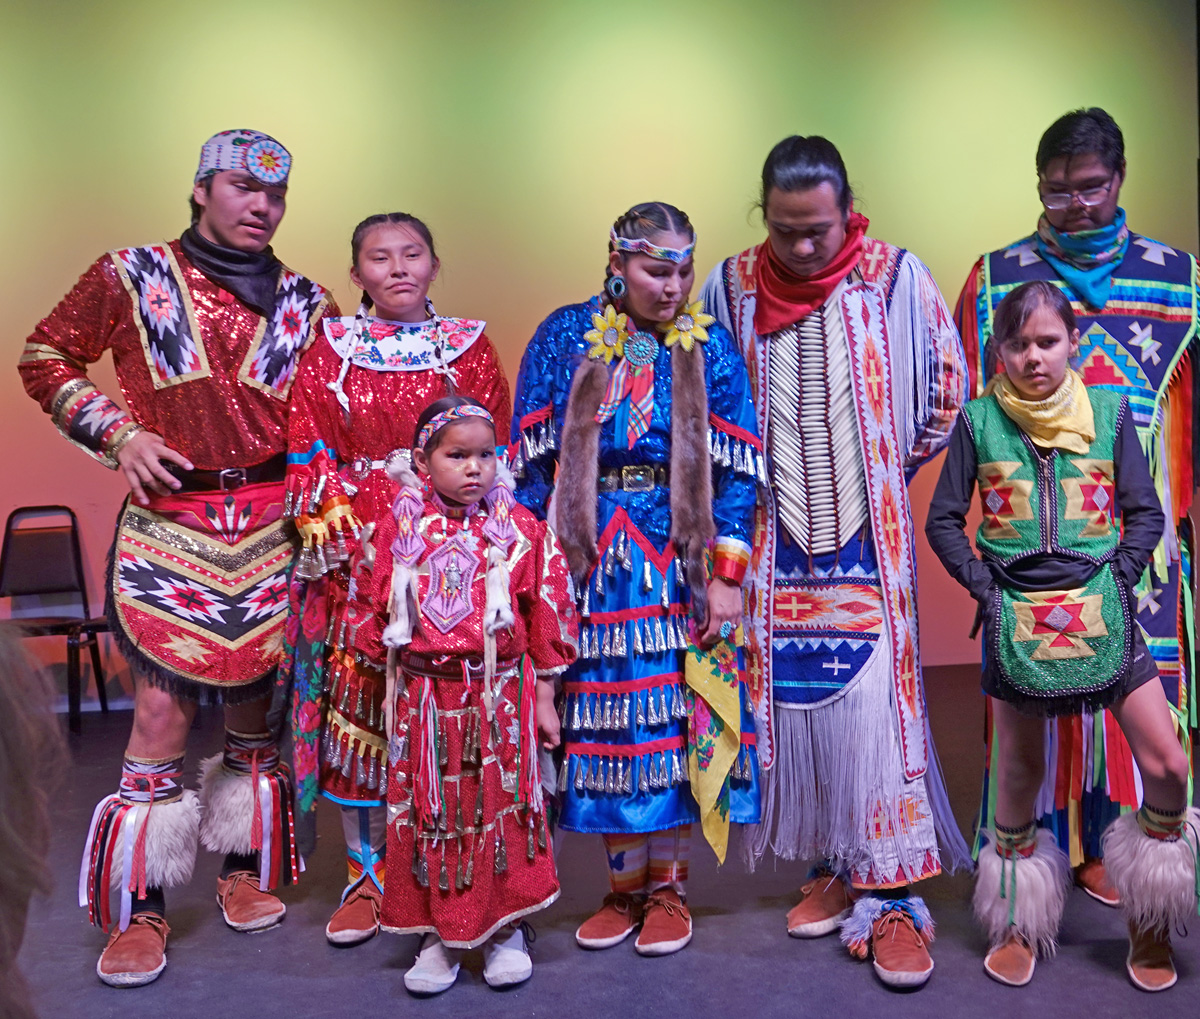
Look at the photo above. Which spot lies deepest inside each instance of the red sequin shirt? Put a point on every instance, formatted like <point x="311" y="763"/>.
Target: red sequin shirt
<point x="228" y="412"/>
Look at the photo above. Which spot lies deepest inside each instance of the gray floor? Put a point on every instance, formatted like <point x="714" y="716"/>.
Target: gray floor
<point x="739" y="963"/>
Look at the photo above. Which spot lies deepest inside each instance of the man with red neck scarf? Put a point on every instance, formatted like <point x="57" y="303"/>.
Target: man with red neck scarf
<point x="858" y="376"/>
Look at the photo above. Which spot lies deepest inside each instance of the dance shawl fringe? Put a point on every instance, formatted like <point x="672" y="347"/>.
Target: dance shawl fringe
<point x="251" y="814"/>
<point x="816" y="794"/>
<point x="134" y="846"/>
<point x="1023" y="895"/>
<point x="1156" y="878"/>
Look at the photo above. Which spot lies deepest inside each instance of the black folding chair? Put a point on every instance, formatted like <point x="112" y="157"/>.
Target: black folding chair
<point x="45" y="559"/>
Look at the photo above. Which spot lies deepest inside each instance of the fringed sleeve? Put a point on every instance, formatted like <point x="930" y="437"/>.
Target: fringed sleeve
<point x="548" y="608"/>
<point x="53" y="364"/>
<point x="543" y="385"/>
<point x="929" y="363"/>
<point x="736" y="452"/>
<point x="970" y="317"/>
<point x="316" y="496"/>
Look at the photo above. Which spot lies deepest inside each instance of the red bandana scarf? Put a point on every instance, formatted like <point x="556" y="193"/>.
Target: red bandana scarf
<point x="782" y="298"/>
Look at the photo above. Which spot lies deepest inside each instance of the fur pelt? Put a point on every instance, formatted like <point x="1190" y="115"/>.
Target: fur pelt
<point x="227" y="799"/>
<point x="579" y="458"/>
<point x="856" y="928"/>
<point x="1155" y="879"/>
<point x="171" y="839"/>
<point x="1042" y="881"/>
<point x="692" y="526"/>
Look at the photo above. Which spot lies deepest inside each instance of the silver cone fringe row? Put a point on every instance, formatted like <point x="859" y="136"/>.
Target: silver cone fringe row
<point x="652" y="772"/>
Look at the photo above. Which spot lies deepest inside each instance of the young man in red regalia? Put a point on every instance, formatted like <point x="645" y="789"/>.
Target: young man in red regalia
<point x="205" y="333"/>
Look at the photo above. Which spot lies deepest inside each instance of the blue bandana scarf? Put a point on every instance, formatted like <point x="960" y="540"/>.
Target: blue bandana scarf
<point x="1085" y="260"/>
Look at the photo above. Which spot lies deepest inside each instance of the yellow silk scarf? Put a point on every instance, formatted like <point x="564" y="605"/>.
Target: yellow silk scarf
<point x="1063" y="420"/>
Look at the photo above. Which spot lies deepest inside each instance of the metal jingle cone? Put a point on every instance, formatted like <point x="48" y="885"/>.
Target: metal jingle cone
<point x="469" y="875"/>
<point x="347" y="760"/>
<point x="360" y="771"/>
<point x="679" y="577"/>
<point x="579" y="769"/>
<point x="625" y="712"/>
<point x="610" y="564"/>
<point x="585" y="609"/>
<point x="660" y="641"/>
<point x="562" y="776"/>
<point x="606" y="644"/>
<point x="479" y="805"/>
<point x="599" y="583"/>
<point x="443" y="876"/>
<point x="638" y="648"/>
<point x="643" y="781"/>
<point x="541" y="832"/>
<point x="627" y="784"/>
<point x="664" y="598"/>
<point x="641" y="709"/>
<point x="610" y="780"/>
<point x="423" y="871"/>
<point x="529" y="848"/>
<point x="501" y="849"/>
<point x="619" y="648"/>
<point x="576" y="717"/>
<point x="647" y="580"/>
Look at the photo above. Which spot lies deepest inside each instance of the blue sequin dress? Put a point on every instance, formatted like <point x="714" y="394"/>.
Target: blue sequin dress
<point x="626" y="705"/>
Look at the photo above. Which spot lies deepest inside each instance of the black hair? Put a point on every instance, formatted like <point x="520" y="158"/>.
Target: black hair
<point x="387" y="219"/>
<point x="1013" y="312"/>
<point x="801" y="164"/>
<point x="194" y="205"/>
<point x="437" y="407"/>
<point x="1082" y="132"/>
<point x="645" y="220"/>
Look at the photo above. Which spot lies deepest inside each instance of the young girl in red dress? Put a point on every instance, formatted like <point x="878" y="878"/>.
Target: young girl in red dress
<point x="473" y="604"/>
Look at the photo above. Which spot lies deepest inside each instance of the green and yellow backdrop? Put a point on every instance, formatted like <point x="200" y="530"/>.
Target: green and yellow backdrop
<point x="520" y="130"/>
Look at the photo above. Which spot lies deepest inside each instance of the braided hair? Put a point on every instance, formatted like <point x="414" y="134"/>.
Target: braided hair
<point x="645" y="220"/>
<point x="387" y="219"/>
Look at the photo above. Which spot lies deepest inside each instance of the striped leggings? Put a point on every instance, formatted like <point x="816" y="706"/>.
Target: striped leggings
<point x="639" y="864"/>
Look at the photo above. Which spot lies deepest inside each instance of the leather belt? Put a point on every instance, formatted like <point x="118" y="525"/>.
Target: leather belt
<point x="231" y="477"/>
<point x="640" y="478"/>
<point x="450" y="666"/>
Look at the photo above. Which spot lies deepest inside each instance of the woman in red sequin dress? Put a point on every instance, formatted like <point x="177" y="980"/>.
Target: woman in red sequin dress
<point x="354" y="407"/>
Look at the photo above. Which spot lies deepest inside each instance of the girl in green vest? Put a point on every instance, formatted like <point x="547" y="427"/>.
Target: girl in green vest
<point x="1070" y="520"/>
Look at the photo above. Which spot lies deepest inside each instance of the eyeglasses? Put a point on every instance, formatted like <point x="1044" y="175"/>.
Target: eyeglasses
<point x="1088" y="199"/>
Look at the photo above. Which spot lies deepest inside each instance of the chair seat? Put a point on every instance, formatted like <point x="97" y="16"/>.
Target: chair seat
<point x="53" y="626"/>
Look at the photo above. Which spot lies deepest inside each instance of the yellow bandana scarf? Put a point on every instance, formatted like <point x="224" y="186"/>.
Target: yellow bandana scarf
<point x="1063" y="420"/>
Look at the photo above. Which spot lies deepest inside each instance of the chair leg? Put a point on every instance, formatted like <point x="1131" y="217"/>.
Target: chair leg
<point x="74" y="716"/>
<point x="98" y="671"/>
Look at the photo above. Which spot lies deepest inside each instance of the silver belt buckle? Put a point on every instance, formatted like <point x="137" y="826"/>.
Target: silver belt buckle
<point x="232" y="477"/>
<point x="637" y="479"/>
<point x="360" y="468"/>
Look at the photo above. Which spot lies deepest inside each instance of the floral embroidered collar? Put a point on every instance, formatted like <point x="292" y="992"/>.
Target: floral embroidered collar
<point x="402" y="346"/>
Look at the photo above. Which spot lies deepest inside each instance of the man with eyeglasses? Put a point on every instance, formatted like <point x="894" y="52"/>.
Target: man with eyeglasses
<point x="1136" y="304"/>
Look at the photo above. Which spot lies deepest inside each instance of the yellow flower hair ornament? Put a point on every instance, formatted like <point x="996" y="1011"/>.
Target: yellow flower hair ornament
<point x="688" y="329"/>
<point x="608" y="338"/>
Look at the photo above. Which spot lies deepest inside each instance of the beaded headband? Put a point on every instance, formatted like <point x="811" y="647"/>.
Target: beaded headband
<point x="447" y="417"/>
<point x="641" y="246"/>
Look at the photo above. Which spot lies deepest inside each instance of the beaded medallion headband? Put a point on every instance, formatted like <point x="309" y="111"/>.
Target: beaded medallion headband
<point x="449" y="416"/>
<point x="641" y="246"/>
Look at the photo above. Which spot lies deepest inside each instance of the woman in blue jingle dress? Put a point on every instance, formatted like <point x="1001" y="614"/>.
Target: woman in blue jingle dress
<point x="643" y="405"/>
